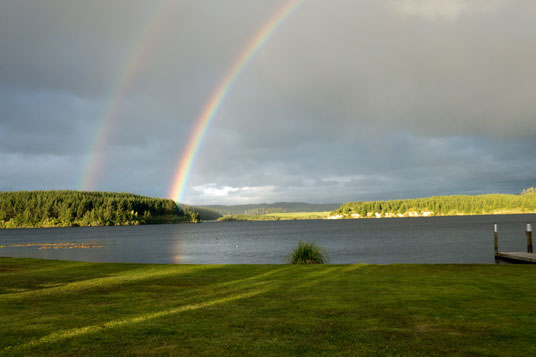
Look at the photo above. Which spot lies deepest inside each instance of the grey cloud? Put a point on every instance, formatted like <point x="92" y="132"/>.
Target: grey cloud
<point x="345" y="101"/>
<point x="43" y="122"/>
<point x="37" y="172"/>
<point x="401" y="166"/>
<point x="471" y="76"/>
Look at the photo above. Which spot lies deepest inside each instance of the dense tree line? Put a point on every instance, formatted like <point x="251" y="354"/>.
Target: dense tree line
<point x="442" y="206"/>
<point x="76" y="208"/>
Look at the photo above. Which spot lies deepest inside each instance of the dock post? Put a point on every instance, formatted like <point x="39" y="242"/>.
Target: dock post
<point x="496" y="238"/>
<point x="528" y="231"/>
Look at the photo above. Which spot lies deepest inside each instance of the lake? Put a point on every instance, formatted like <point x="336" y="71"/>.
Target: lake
<point x="382" y="241"/>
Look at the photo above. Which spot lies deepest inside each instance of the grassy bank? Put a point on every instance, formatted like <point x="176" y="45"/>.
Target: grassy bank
<point x="90" y="308"/>
<point x="300" y="215"/>
<point x="286" y="216"/>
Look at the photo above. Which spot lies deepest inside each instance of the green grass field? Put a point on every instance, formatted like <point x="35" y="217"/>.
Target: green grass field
<point x="74" y="308"/>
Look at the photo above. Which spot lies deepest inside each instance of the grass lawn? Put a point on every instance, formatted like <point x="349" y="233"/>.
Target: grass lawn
<point x="74" y="308"/>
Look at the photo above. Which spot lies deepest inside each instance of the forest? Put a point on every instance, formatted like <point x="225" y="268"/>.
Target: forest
<point x="28" y="209"/>
<point x="442" y="206"/>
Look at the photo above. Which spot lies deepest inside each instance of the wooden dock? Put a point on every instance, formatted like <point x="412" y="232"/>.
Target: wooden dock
<point x="516" y="257"/>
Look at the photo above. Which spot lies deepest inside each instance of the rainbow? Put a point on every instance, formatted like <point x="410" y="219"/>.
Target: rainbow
<point x="134" y="60"/>
<point x="203" y="122"/>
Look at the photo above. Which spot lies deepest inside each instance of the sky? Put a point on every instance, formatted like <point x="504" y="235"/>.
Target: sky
<point x="345" y="101"/>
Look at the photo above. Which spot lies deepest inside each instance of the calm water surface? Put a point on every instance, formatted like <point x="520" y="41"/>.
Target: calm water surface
<point x="383" y="241"/>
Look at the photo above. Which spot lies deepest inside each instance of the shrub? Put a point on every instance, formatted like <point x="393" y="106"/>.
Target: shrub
<point x="308" y="253"/>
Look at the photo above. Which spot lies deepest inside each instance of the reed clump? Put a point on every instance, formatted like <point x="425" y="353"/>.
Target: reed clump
<point x="308" y="253"/>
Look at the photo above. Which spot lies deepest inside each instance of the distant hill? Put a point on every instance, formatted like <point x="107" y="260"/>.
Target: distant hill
<point x="267" y="208"/>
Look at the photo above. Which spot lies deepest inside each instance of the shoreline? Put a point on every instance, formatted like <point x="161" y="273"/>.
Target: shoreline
<point x="259" y="218"/>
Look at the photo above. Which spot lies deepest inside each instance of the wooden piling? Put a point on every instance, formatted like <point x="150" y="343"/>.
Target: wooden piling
<point x="516" y="257"/>
<point x="496" y="238"/>
<point x="528" y="232"/>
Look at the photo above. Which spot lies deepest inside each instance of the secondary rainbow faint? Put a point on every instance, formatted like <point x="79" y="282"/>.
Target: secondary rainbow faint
<point x="217" y="98"/>
<point x="133" y="62"/>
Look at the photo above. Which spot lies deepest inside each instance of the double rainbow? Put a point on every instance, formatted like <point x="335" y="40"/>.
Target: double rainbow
<point x="134" y="61"/>
<point x="208" y="113"/>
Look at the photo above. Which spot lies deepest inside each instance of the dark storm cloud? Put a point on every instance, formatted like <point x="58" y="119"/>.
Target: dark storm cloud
<point x="43" y="122"/>
<point x="473" y="75"/>
<point x="57" y="45"/>
<point x="346" y="100"/>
